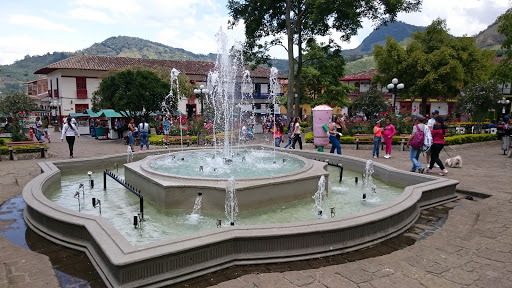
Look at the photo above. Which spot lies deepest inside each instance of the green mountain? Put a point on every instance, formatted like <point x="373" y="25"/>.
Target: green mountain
<point x="14" y="75"/>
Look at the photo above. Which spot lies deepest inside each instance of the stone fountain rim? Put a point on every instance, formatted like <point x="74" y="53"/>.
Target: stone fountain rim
<point x="144" y="165"/>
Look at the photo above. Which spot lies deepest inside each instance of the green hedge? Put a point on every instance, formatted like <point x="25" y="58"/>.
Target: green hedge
<point x="451" y="140"/>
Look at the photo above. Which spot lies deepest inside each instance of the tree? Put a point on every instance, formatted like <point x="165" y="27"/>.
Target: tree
<point x="435" y="65"/>
<point x="371" y="102"/>
<point x="18" y="106"/>
<point x="302" y="20"/>
<point x="477" y="99"/>
<point x="16" y="102"/>
<point x="321" y="75"/>
<point x="131" y="93"/>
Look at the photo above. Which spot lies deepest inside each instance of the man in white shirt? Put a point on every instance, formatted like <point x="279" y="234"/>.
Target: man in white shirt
<point x="430" y="125"/>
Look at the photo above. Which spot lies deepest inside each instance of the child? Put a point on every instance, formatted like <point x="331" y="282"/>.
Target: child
<point x="31" y="133"/>
<point x="47" y="135"/>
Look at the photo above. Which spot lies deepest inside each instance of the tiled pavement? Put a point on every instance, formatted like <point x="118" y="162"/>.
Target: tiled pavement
<point x="472" y="249"/>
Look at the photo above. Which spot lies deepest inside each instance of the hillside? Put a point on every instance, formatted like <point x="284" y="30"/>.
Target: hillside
<point x="397" y="30"/>
<point x="490" y="38"/>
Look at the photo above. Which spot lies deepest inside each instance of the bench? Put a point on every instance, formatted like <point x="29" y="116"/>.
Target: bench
<point x="404" y="138"/>
<point x="41" y="147"/>
<point x="185" y="138"/>
<point x="359" y="139"/>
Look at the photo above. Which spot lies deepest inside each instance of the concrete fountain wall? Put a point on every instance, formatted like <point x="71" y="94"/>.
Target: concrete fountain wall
<point x="177" y="192"/>
<point x="159" y="264"/>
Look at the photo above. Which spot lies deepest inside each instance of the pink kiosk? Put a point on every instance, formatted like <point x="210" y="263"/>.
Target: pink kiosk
<point x="322" y="115"/>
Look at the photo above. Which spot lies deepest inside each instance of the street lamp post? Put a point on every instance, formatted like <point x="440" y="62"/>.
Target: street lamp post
<point x="504" y="102"/>
<point x="395" y="88"/>
<point x="201" y="92"/>
<point x="56" y="105"/>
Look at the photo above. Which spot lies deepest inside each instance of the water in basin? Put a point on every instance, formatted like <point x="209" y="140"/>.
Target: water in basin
<point x="119" y="206"/>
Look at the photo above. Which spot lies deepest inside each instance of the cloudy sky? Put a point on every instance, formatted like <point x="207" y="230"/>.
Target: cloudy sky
<point x="33" y="27"/>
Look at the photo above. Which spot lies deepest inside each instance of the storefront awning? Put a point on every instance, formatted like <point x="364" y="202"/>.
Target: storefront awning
<point x="78" y="115"/>
<point x="92" y="114"/>
<point x="109" y="113"/>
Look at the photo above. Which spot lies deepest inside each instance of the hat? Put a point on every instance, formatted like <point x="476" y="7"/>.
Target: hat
<point x="435" y="112"/>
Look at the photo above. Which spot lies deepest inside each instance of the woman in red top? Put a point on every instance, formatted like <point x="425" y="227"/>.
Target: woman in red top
<point x="389" y="132"/>
<point x="438" y="132"/>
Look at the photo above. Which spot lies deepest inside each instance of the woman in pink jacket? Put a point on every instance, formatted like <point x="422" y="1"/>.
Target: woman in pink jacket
<point x="389" y="131"/>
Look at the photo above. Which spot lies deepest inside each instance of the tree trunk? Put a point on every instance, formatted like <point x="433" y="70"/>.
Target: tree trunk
<point x="424" y="105"/>
<point x="297" y="76"/>
<point x="289" y="102"/>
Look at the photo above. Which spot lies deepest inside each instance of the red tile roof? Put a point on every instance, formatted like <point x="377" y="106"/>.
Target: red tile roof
<point x="105" y="63"/>
<point x="363" y="75"/>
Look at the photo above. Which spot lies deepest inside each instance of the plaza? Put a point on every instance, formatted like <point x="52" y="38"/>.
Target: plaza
<point x="472" y="249"/>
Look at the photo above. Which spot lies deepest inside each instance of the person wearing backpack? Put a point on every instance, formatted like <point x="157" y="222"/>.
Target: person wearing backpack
<point x="438" y="132"/>
<point x="144" y="134"/>
<point x="415" y="143"/>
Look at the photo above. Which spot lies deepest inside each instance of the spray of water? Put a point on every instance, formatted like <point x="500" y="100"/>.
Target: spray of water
<point x="369" y="187"/>
<point x="320" y="195"/>
<point x="197" y="205"/>
<point x="231" y="203"/>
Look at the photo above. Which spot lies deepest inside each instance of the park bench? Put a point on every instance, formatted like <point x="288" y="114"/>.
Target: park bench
<point x="404" y="138"/>
<point x="184" y="138"/>
<point x="365" y="138"/>
<point x="29" y="146"/>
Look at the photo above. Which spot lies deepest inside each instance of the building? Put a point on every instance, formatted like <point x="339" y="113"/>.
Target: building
<point x="72" y="81"/>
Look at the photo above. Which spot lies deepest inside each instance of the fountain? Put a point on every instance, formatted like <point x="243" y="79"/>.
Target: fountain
<point x="159" y="256"/>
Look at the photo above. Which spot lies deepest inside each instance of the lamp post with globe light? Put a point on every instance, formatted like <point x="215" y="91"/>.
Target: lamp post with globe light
<point x="201" y="92"/>
<point x="395" y="88"/>
<point x="504" y="102"/>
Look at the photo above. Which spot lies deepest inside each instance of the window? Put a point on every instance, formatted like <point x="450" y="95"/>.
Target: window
<point x="81" y="88"/>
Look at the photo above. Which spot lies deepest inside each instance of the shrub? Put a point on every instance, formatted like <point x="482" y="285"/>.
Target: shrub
<point x="308" y="137"/>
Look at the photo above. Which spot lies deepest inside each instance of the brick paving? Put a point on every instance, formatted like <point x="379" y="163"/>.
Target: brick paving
<point x="472" y="249"/>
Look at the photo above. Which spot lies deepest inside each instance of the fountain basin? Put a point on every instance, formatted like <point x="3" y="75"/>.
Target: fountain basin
<point x="172" y="191"/>
<point x="163" y="263"/>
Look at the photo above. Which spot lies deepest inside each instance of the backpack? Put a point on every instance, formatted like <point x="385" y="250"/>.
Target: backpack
<point x="428" y="139"/>
<point x="417" y="141"/>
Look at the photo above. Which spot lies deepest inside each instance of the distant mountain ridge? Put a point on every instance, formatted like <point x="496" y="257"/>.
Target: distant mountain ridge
<point x="13" y="75"/>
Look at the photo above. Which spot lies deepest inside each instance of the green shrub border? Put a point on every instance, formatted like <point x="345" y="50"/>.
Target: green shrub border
<point x="451" y="140"/>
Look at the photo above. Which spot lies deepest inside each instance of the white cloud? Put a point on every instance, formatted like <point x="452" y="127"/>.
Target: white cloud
<point x="17" y="47"/>
<point x="90" y="15"/>
<point x="37" y="23"/>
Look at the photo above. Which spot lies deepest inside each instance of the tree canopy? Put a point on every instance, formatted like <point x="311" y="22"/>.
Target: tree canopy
<point x="435" y="65"/>
<point x="266" y="25"/>
<point x="14" y="103"/>
<point x="131" y="93"/>
<point x="321" y="75"/>
<point x="477" y="99"/>
<point x="371" y="102"/>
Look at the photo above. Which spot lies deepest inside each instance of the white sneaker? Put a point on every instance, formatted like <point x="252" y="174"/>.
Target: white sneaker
<point x="386" y="156"/>
<point x="435" y="165"/>
<point x="374" y="156"/>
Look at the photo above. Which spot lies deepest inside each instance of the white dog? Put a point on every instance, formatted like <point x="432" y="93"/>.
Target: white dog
<point x="454" y="162"/>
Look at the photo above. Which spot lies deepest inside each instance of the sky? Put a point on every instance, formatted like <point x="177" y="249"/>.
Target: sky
<point x="34" y="27"/>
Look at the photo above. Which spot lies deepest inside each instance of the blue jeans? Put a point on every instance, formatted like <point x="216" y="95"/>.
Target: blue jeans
<point x="335" y="144"/>
<point x="131" y="140"/>
<point x="376" y="144"/>
<point x="39" y="136"/>
<point x="289" y="140"/>
<point x="277" y="141"/>
<point x="144" y="137"/>
<point x="415" y="154"/>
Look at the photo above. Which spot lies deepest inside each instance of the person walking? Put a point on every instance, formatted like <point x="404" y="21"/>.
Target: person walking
<point x="335" y="132"/>
<point x="131" y="136"/>
<point x="438" y="132"/>
<point x="70" y="132"/>
<point x="431" y="122"/>
<point x="290" y="132"/>
<point x="119" y="128"/>
<point x="388" y="133"/>
<point x="39" y="129"/>
<point x="415" y="152"/>
<point x="377" y="138"/>
<point x="144" y="134"/>
<point x="296" y="133"/>
<point x="277" y="129"/>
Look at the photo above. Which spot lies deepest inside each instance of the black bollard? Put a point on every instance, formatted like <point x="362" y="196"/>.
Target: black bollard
<point x="364" y="196"/>
<point x="94" y="202"/>
<point x="232" y="223"/>
<point x="356" y="180"/>
<point x="341" y="172"/>
<point x="135" y="221"/>
<point x="92" y="183"/>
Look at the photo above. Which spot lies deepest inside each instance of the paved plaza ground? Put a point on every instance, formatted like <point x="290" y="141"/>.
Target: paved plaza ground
<point x="472" y="249"/>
